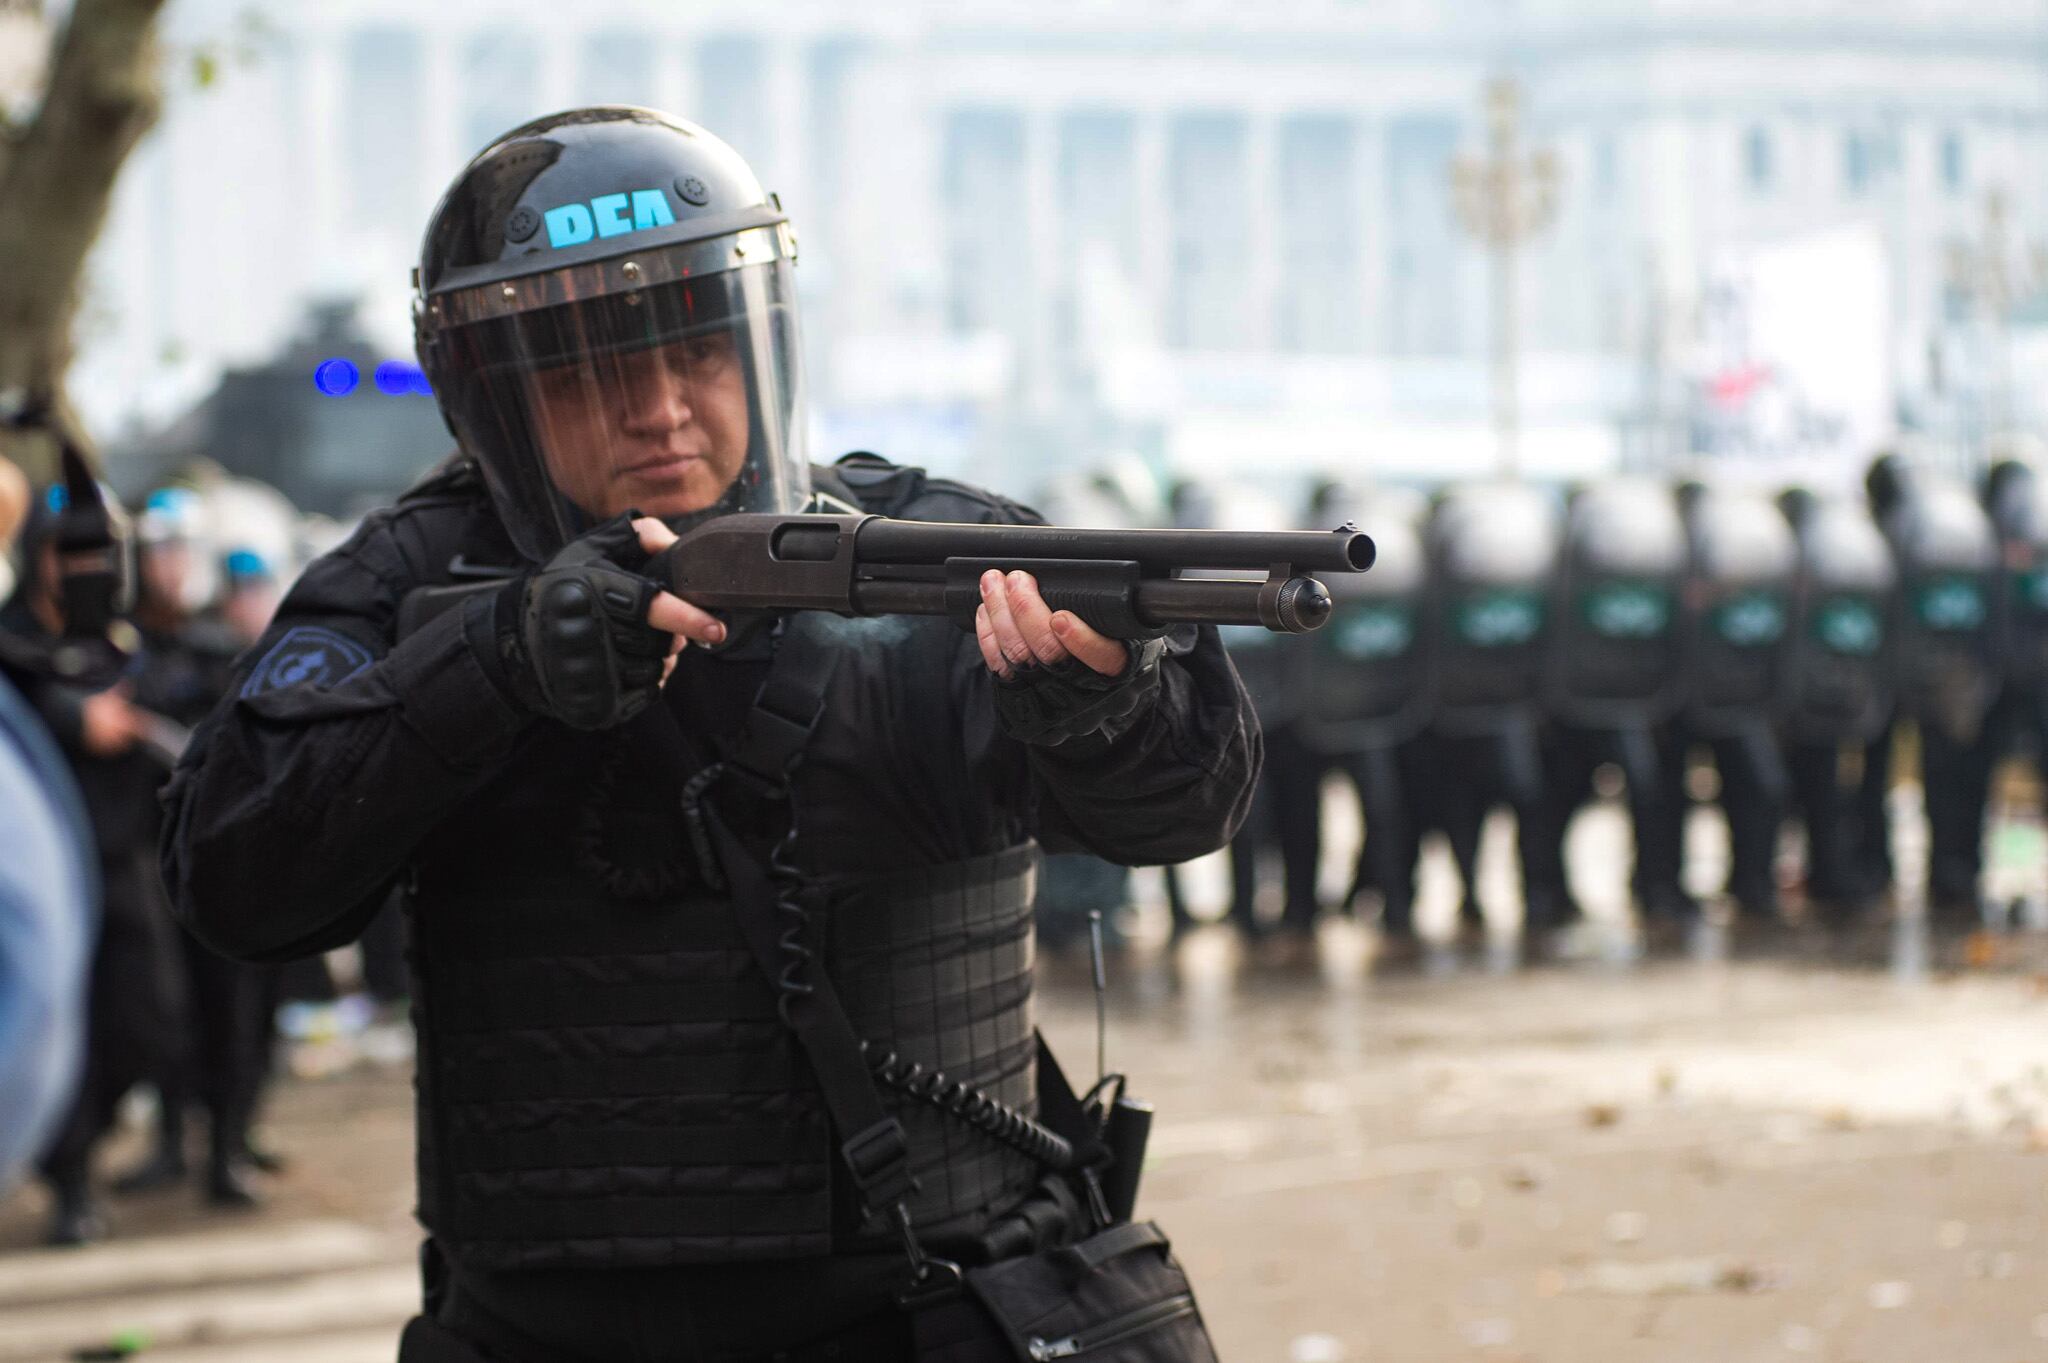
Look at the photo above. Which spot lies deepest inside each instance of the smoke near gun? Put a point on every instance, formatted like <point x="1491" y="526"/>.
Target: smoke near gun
<point x="864" y="631"/>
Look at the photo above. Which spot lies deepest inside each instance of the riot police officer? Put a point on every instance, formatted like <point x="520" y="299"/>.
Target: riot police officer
<point x="1838" y="693"/>
<point x="1948" y="679"/>
<point x="48" y="904"/>
<point x="1735" y="609"/>
<point x="1286" y="810"/>
<point x="620" y="1139"/>
<point x="1492" y="553"/>
<point x="2016" y="495"/>
<point x="1614" y="673"/>
<point x="1367" y="691"/>
<point x="137" y="1008"/>
<point x="183" y="669"/>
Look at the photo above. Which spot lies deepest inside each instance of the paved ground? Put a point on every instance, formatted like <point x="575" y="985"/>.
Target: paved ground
<point x="1745" y="1155"/>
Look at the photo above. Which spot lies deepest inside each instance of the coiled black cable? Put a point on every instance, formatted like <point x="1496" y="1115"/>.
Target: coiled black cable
<point x="788" y="879"/>
<point x="790" y="985"/>
<point x="982" y="1111"/>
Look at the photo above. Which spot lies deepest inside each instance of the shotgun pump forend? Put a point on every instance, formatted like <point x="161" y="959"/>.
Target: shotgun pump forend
<point x="1129" y="584"/>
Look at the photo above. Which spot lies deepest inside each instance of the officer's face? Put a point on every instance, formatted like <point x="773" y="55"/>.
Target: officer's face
<point x="663" y="429"/>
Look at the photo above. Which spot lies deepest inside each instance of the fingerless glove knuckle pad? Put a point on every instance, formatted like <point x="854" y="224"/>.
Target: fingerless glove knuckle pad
<point x="585" y="652"/>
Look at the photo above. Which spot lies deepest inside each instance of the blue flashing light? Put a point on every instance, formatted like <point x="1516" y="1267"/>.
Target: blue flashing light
<point x="396" y="378"/>
<point x="57" y="498"/>
<point x="336" y="378"/>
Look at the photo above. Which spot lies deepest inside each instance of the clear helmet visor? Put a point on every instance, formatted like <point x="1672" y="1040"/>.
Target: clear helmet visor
<point x="679" y="398"/>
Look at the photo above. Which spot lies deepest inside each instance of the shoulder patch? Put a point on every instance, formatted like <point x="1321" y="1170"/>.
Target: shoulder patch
<point x="307" y="655"/>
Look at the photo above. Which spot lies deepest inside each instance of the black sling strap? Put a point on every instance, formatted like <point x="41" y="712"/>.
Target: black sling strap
<point x="780" y="724"/>
<point x="872" y="1143"/>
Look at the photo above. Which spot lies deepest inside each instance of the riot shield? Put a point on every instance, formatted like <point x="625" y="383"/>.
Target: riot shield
<point x="1614" y="655"/>
<point x="1367" y="674"/>
<point x="1491" y="550"/>
<point x="1272" y="666"/>
<point x="2017" y="497"/>
<point x="1840" y="645"/>
<point x="1947" y="559"/>
<point x="1737" y="604"/>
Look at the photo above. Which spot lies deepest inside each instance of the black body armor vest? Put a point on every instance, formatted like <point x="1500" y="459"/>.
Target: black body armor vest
<point x="605" y="1082"/>
<point x="604" y="1078"/>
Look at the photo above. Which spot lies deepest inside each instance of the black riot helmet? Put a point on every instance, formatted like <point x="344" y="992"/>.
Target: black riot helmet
<point x="607" y="315"/>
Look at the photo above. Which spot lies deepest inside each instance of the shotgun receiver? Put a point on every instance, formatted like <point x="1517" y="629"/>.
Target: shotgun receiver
<point x="1129" y="584"/>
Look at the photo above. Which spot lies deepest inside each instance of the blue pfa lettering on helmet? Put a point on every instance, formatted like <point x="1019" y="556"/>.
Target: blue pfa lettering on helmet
<point x="608" y="215"/>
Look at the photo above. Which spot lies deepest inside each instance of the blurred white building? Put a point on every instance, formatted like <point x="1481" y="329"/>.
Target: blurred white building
<point x="1215" y="233"/>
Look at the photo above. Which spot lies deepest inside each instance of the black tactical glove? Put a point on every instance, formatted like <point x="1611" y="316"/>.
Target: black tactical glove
<point x="1048" y="705"/>
<point x="573" y="637"/>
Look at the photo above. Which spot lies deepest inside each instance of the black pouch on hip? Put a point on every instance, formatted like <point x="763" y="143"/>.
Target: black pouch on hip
<point x="1118" y="1296"/>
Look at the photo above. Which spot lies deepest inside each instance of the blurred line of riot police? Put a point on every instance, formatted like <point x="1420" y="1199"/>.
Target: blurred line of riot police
<point x="1769" y="653"/>
<point x="207" y="567"/>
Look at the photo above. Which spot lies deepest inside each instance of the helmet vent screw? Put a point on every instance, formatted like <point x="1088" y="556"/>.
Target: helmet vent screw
<point x="522" y="224"/>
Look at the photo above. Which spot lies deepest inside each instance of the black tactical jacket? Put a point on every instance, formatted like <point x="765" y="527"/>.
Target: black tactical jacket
<point x="345" y="757"/>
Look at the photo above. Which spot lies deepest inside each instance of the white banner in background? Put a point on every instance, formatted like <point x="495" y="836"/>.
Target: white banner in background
<point x="1793" y="362"/>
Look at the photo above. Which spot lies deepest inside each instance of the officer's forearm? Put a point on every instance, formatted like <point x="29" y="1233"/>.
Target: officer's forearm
<point x="1174" y="786"/>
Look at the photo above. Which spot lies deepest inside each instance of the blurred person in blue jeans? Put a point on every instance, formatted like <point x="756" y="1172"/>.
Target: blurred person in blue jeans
<point x="47" y="893"/>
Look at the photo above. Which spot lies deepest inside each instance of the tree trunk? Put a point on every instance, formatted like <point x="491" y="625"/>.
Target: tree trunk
<point x="55" y="188"/>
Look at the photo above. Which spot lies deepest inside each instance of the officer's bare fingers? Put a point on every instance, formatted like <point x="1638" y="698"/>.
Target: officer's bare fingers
<point x="673" y="615"/>
<point x="985" y="635"/>
<point x="995" y="597"/>
<point x="654" y="536"/>
<point x="1034" y="619"/>
<point x="1100" y="652"/>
